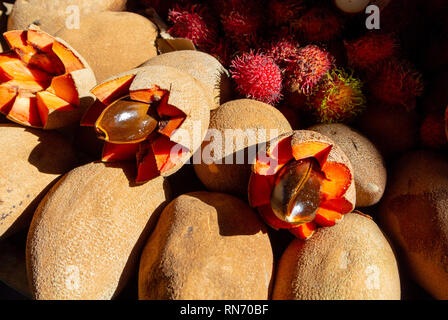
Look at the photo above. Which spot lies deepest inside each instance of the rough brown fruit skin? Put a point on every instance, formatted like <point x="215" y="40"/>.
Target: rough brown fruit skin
<point x="241" y="114"/>
<point x="368" y="164"/>
<point x="202" y="66"/>
<point x="392" y="131"/>
<point x="31" y="161"/>
<point x="51" y="15"/>
<point x="350" y="261"/>
<point x="12" y="263"/>
<point x="102" y="37"/>
<point x="87" y="233"/>
<point x="207" y="246"/>
<point x="414" y="212"/>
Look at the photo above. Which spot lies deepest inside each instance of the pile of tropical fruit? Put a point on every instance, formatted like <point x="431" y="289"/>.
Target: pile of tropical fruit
<point x="241" y="149"/>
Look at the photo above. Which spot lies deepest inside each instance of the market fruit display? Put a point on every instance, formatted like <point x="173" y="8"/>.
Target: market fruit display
<point x="207" y="246"/>
<point x="32" y="160"/>
<point x="86" y="234"/>
<point x="45" y="83"/>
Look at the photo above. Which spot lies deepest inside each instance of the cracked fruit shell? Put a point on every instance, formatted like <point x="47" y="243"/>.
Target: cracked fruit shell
<point x="156" y="116"/>
<point x="44" y="83"/>
<point x="300" y="181"/>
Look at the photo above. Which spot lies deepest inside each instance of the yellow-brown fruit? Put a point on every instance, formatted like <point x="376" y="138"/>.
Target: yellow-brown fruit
<point x="113" y="42"/>
<point x="202" y="66"/>
<point x="242" y="118"/>
<point x="52" y="15"/>
<point x="368" y="164"/>
<point x="207" y="246"/>
<point x="31" y="161"/>
<point x="12" y="263"/>
<point x="414" y="212"/>
<point x="87" y="233"/>
<point x="350" y="261"/>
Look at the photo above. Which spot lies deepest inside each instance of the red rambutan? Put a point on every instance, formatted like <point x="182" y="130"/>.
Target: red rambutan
<point x="257" y="76"/>
<point x="318" y="24"/>
<point x="194" y="23"/>
<point x="281" y="12"/>
<point x="241" y="22"/>
<point x="395" y="83"/>
<point x="432" y="132"/>
<point x="310" y="67"/>
<point x="283" y="50"/>
<point x="370" y="49"/>
<point x="339" y="98"/>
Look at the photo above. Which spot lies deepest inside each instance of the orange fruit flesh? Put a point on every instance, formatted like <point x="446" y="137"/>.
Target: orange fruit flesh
<point x="155" y="154"/>
<point x="37" y="71"/>
<point x="336" y="182"/>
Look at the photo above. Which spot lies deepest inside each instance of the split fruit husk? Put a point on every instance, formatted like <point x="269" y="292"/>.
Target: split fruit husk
<point x="368" y="164"/>
<point x="44" y="83"/>
<point x="171" y="120"/>
<point x="12" y="263"/>
<point x="202" y="66"/>
<point x="237" y="116"/>
<point x="31" y="161"/>
<point x="351" y="261"/>
<point x="414" y="214"/>
<point x="207" y="246"/>
<point x="52" y="15"/>
<point x="113" y="42"/>
<point x="301" y="201"/>
<point x="87" y="233"/>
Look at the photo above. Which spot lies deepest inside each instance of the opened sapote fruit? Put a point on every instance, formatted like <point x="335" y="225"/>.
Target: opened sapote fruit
<point x="156" y="116"/>
<point x="207" y="246"/>
<point x="202" y="66"/>
<point x="44" y="83"/>
<point x="367" y="162"/>
<point x="414" y="213"/>
<point x="300" y="181"/>
<point x="87" y="233"/>
<point x="235" y="127"/>
<point x="351" y="261"/>
<point x="31" y="160"/>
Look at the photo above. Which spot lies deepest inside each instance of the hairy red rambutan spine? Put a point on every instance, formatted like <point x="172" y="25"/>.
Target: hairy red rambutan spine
<point x="241" y="22"/>
<point x="338" y="99"/>
<point x="194" y="23"/>
<point x="318" y="24"/>
<point x="281" y="12"/>
<point x="370" y="49"/>
<point x="308" y="70"/>
<point x="257" y="76"/>
<point x="283" y="50"/>
<point x="432" y="132"/>
<point x="395" y="83"/>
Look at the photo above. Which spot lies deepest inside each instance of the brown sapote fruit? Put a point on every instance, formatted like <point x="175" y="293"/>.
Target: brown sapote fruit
<point x="207" y="246"/>
<point x="300" y="181"/>
<point x="87" y="233"/>
<point x="202" y="66"/>
<point x="241" y="118"/>
<point x="368" y="164"/>
<point x="156" y="116"/>
<point x="414" y="213"/>
<point x="113" y="42"/>
<point x="351" y="261"/>
<point x="12" y="263"/>
<point x="52" y="15"/>
<point x="31" y="161"/>
<point x="44" y="83"/>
